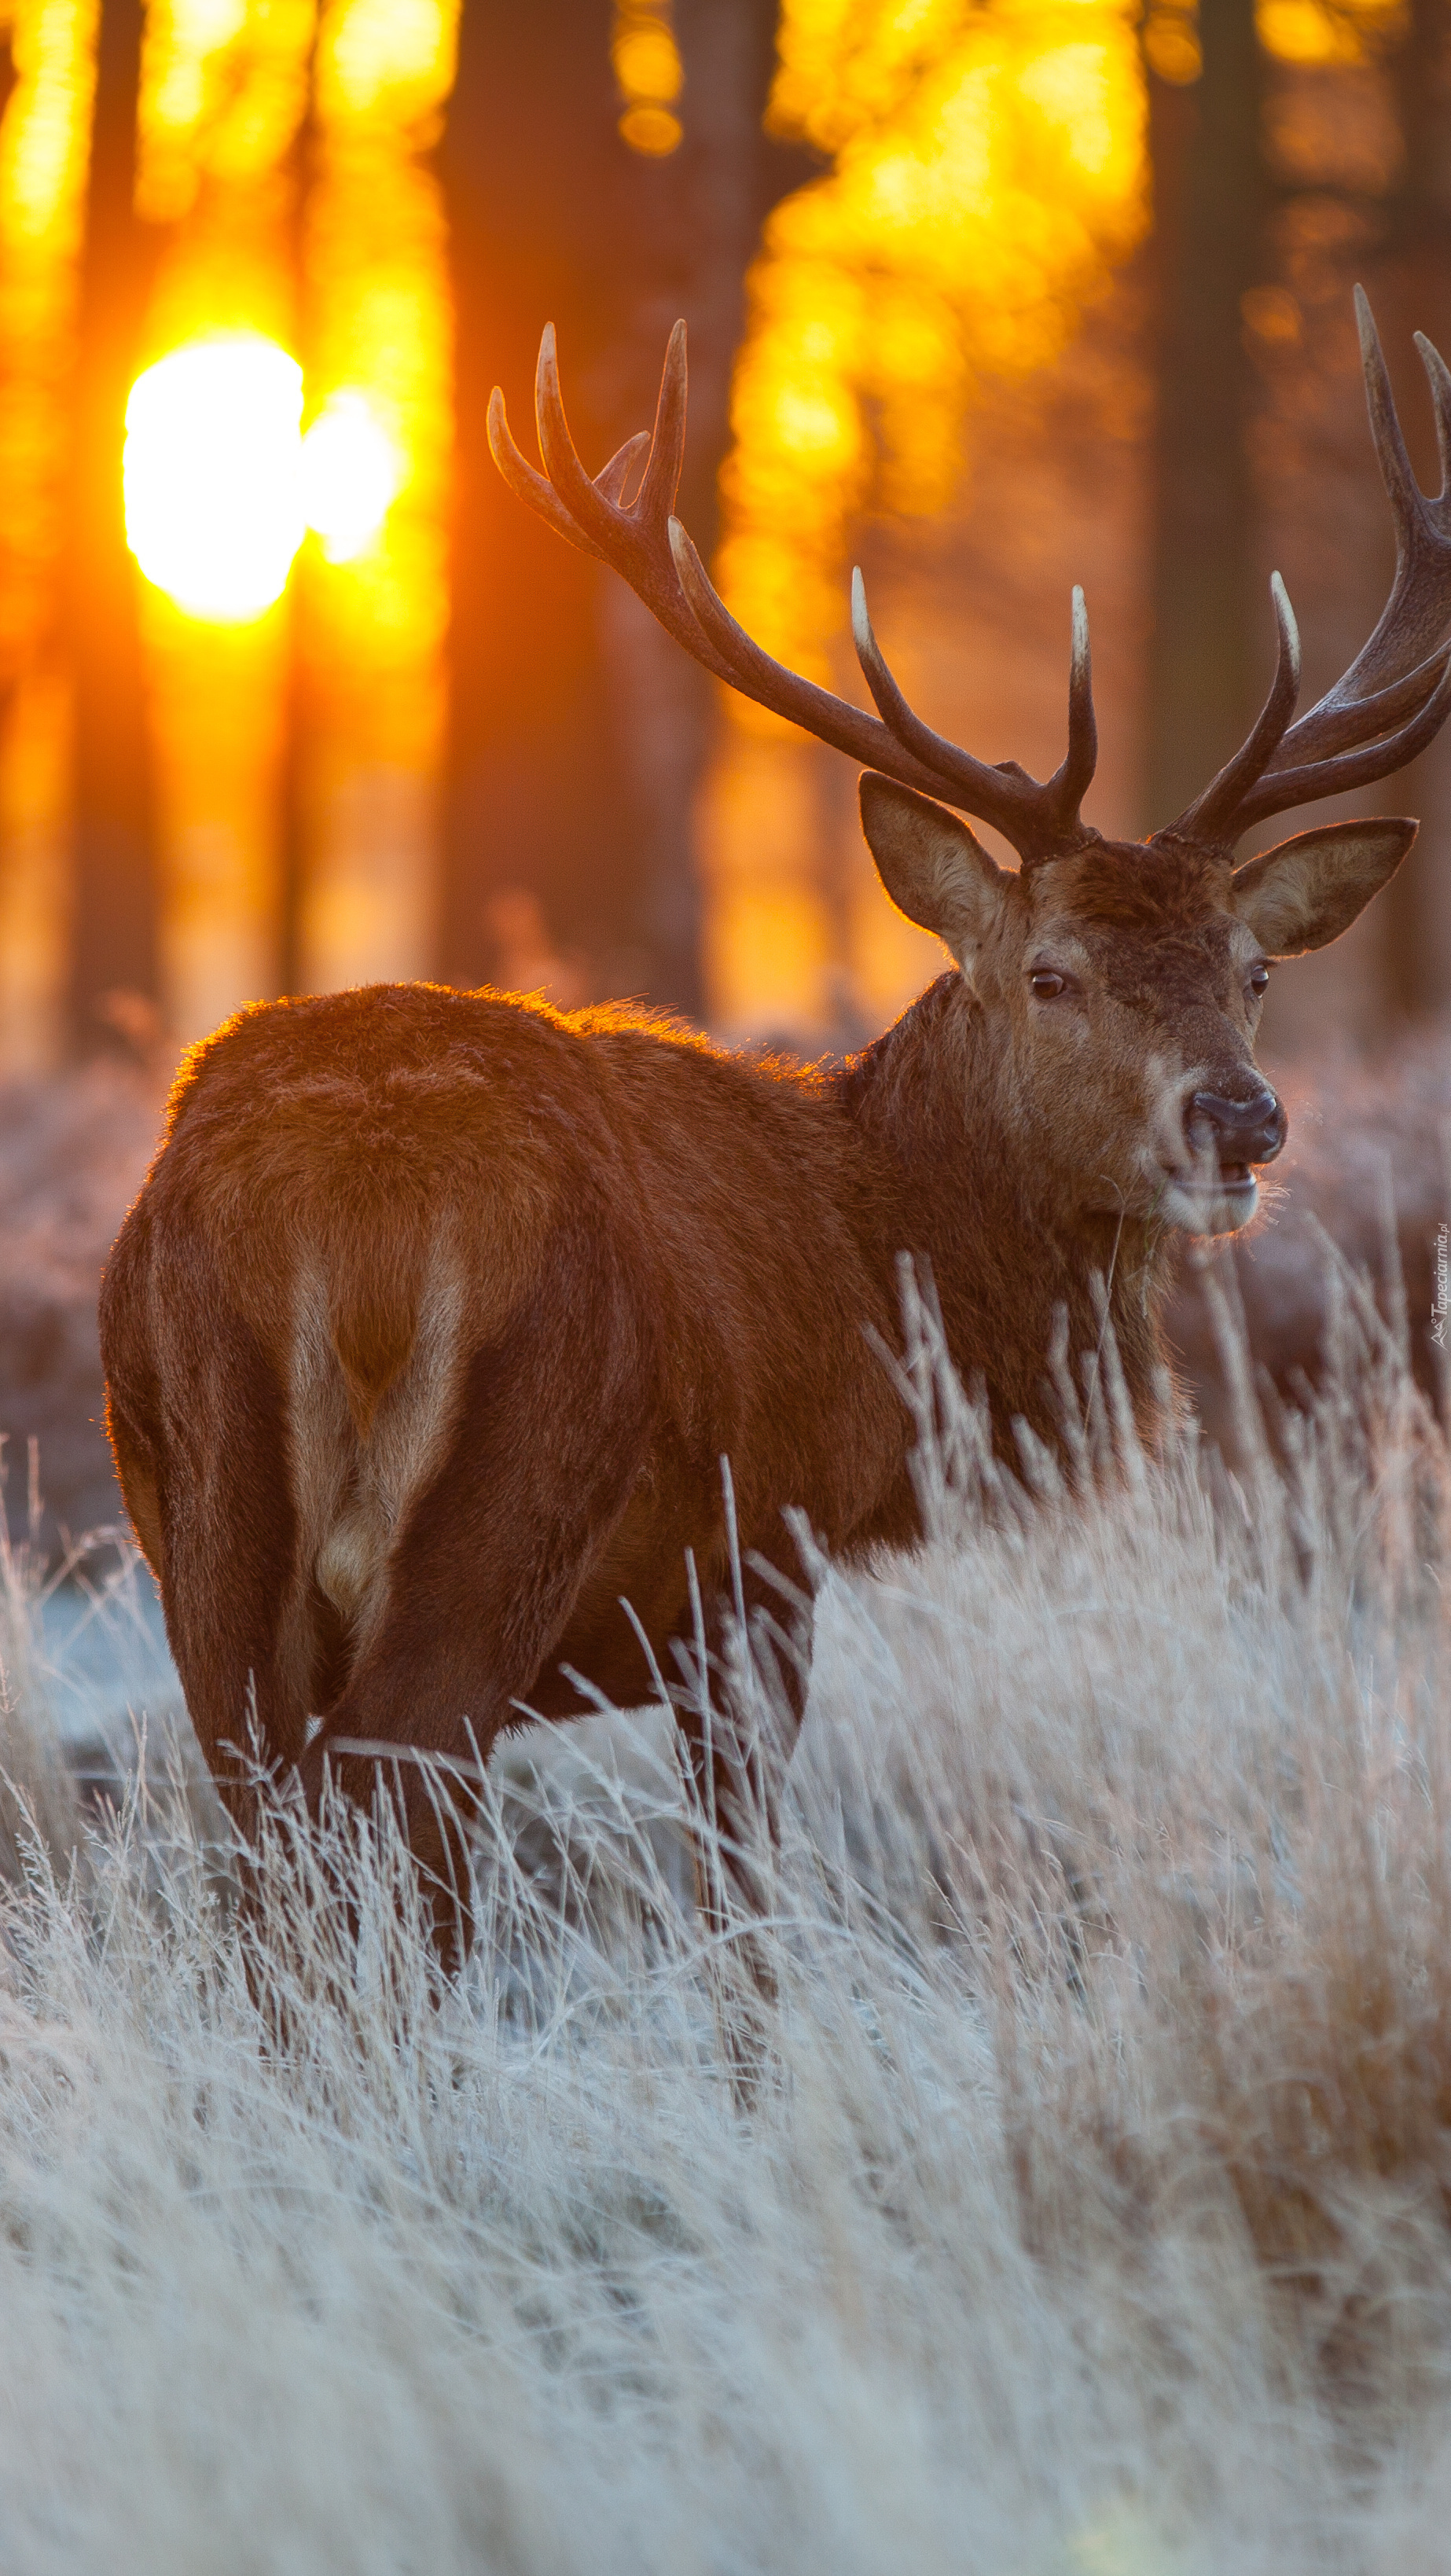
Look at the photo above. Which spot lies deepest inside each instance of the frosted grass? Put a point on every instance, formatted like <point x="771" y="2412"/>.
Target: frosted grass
<point x="1084" y="2206"/>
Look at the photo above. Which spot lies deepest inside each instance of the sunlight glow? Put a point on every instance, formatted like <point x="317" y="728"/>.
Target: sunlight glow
<point x="989" y="170"/>
<point x="213" y="474"/>
<point x="223" y="93"/>
<point x="221" y="484"/>
<point x="350" y="473"/>
<point x="375" y="264"/>
<point x="43" y="150"/>
<point x="649" y="75"/>
<point x="1328" y="31"/>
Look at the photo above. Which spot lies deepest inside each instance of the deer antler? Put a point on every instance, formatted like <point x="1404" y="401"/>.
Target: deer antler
<point x="648" y="545"/>
<point x="1397" y="692"/>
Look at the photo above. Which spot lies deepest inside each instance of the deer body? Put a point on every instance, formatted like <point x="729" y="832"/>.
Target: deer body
<point x="438" y="1312"/>
<point x="519" y="1284"/>
<point x="504" y="1290"/>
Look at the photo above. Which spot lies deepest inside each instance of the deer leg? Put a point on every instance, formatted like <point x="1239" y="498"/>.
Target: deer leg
<point x="206" y="1485"/>
<point x="551" y="1432"/>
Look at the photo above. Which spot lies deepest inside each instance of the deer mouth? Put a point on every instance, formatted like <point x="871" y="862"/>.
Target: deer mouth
<point x="1217" y="1201"/>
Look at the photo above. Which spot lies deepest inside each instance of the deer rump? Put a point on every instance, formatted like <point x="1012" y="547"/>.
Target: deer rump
<point x="426" y="1339"/>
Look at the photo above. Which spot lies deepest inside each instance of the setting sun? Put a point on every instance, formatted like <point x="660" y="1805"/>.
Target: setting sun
<point x="213" y="474"/>
<point x="221" y="485"/>
<point x="350" y="472"/>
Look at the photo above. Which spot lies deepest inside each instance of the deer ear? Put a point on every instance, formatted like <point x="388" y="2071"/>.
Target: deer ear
<point x="1304" y="892"/>
<point x="933" y="867"/>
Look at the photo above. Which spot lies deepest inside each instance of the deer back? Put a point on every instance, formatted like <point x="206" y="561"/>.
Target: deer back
<point x="359" y="1196"/>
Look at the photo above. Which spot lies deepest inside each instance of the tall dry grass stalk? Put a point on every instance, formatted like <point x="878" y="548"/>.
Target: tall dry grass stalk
<point x="1089" y="2208"/>
<point x="39" y="1810"/>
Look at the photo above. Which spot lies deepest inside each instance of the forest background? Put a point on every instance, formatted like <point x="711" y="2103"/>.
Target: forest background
<point x="993" y="297"/>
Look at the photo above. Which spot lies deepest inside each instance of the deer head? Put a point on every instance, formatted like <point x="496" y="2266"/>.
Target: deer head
<point x="1121" y="982"/>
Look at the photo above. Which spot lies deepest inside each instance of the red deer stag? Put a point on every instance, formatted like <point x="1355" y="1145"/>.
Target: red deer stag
<point x="438" y="1311"/>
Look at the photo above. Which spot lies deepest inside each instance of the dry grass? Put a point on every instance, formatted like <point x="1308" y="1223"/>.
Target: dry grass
<point x="1367" y="1165"/>
<point x="1088" y="2211"/>
<point x="73" y="1152"/>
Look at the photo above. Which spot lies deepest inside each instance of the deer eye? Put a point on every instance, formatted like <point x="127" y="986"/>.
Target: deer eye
<point x="1259" y="977"/>
<point x="1047" y="983"/>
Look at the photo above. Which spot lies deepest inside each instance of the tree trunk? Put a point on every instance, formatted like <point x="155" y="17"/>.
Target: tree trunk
<point x="578" y="731"/>
<point x="114" y="937"/>
<point x="1210" y="634"/>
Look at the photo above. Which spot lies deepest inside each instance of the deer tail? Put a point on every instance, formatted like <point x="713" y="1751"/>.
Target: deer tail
<point x="372" y="1326"/>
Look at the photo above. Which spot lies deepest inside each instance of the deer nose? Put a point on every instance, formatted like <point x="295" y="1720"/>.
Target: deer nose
<point x="1238" y="1131"/>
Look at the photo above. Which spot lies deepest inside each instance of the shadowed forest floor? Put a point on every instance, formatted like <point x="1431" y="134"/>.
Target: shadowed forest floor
<point x="1084" y="2204"/>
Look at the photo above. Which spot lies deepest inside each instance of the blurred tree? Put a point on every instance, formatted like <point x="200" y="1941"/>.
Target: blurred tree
<point x="578" y="733"/>
<point x="984" y="173"/>
<point x="114" y="937"/>
<point x="297" y="840"/>
<point x="1276" y="189"/>
<point x="1210" y="628"/>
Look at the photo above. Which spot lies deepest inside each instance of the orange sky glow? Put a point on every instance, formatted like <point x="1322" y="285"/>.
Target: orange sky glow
<point x="986" y="174"/>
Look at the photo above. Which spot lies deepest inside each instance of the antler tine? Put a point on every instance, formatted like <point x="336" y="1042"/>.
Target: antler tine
<point x="1402" y="490"/>
<point x="590" y="514"/>
<point x="1415" y="614"/>
<point x="1282" y="788"/>
<point x="1213" y="816"/>
<point x="758" y="675"/>
<point x="1438" y="376"/>
<point x="594" y="506"/>
<point x="529" y="483"/>
<point x="612" y="478"/>
<point x="897" y="742"/>
<point x="1387" y="706"/>
<point x="994" y="795"/>
<point x="1344" y="728"/>
<point x="1075" y="775"/>
<point x="589" y="509"/>
<point x="648" y="545"/>
<point x="656" y="500"/>
<point x="1038" y="819"/>
<point x="1420" y="598"/>
<point x="532" y="487"/>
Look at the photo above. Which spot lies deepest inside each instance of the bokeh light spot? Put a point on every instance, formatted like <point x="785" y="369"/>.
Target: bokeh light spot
<point x="213" y="474"/>
<point x="647" y="64"/>
<point x="350" y="473"/>
<point x="650" y="75"/>
<point x="652" y="130"/>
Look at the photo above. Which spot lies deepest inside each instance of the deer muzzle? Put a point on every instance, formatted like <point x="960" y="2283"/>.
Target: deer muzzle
<point x="1238" y="1133"/>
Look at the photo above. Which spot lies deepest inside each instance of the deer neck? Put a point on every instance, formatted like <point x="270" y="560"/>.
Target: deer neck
<point x="964" y="1186"/>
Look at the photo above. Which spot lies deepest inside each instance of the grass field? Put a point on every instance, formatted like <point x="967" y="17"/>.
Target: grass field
<point x="1085" y="2207"/>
